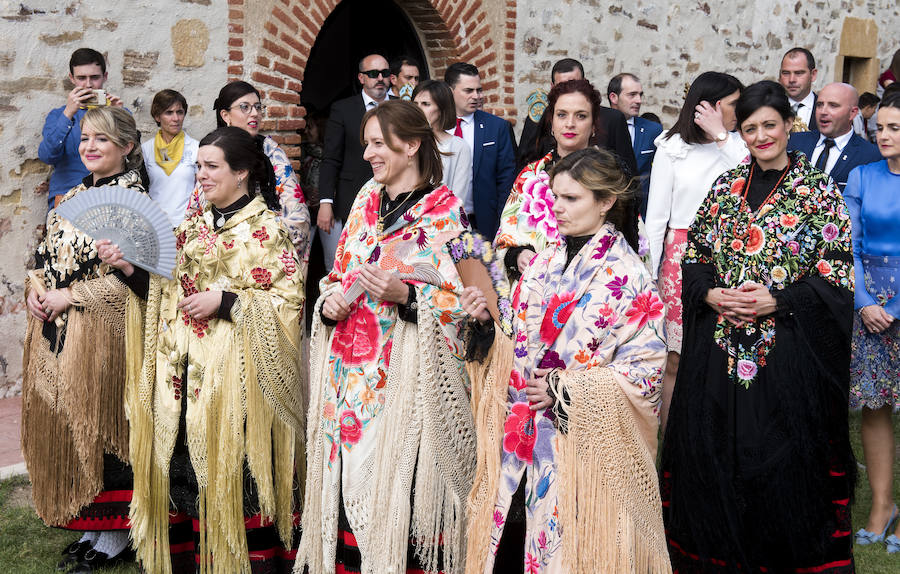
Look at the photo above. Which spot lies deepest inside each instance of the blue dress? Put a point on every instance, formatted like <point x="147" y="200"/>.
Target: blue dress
<point x="873" y="198"/>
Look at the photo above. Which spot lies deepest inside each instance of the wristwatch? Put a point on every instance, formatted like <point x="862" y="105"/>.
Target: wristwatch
<point x="721" y="136"/>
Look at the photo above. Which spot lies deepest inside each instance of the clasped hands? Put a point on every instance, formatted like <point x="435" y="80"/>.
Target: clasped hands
<point x="379" y="283"/>
<point x="745" y="304"/>
<point x="50" y="306"/>
<point x="875" y="318"/>
<point x="199" y="306"/>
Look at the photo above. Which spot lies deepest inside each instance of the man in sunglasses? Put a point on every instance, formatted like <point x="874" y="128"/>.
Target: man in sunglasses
<point x="344" y="171"/>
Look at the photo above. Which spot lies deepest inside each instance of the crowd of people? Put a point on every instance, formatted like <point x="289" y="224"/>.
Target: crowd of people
<point x="659" y="378"/>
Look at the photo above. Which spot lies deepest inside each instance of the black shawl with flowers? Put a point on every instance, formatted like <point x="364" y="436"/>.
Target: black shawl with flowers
<point x="757" y="441"/>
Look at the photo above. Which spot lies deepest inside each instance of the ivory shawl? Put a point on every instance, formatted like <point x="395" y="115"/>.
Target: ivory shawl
<point x="389" y="401"/>
<point x="243" y="390"/>
<point x="592" y="495"/>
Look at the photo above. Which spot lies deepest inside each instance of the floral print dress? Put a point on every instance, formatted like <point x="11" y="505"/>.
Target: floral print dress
<point x="602" y="310"/>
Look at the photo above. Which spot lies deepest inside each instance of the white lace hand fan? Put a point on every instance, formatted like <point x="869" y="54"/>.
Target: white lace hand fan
<point x="129" y="219"/>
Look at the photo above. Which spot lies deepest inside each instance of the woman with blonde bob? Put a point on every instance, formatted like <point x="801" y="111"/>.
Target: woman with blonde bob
<point x="566" y="411"/>
<point x="390" y="434"/>
<point x="74" y="431"/>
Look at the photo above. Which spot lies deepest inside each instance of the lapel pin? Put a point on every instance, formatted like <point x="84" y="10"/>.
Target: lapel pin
<point x="844" y="158"/>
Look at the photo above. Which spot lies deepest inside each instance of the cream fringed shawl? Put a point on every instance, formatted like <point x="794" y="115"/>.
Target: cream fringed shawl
<point x="243" y="389"/>
<point x="426" y="434"/>
<point x="72" y="409"/>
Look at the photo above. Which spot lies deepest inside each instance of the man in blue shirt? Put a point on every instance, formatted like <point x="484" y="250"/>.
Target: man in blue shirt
<point x="62" y="128"/>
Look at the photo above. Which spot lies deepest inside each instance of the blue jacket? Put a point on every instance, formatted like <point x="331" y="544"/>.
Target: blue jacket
<point x="493" y="171"/>
<point x="59" y="148"/>
<point x="857" y="152"/>
<point x="645" y="132"/>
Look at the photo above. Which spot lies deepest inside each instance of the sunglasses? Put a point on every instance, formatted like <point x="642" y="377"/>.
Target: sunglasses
<point x="375" y="73"/>
<point x="245" y="107"/>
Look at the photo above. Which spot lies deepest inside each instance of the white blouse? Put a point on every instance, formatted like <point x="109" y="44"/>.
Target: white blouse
<point x="458" y="170"/>
<point x="172" y="192"/>
<point x="680" y="180"/>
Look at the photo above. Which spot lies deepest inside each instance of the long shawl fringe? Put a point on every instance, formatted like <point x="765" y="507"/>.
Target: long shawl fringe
<point x="72" y="410"/>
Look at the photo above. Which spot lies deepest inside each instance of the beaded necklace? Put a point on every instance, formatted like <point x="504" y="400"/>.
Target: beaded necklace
<point x="744" y="202"/>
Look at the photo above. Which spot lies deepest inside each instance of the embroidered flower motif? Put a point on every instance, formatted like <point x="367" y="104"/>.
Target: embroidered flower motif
<point x="756" y="240"/>
<point x="228" y="244"/>
<point x="829" y="232"/>
<point x="737" y="187"/>
<point x="516" y="380"/>
<point x="794" y="247"/>
<point x="357" y="338"/>
<point x="558" y="312"/>
<point x="824" y="267"/>
<point x="645" y="307"/>
<point x="498" y="519"/>
<point x="180" y="239"/>
<point x="261" y="234"/>
<point x="789" y="220"/>
<point x="615" y="286"/>
<point x="532" y="565"/>
<point x="351" y="428"/>
<point x="746" y="370"/>
<point x="605" y="243"/>
<point x="714" y="210"/>
<point x="332" y="456"/>
<point x="287" y="262"/>
<point x="552" y="360"/>
<point x="520" y="432"/>
<point x="737" y="245"/>
<point x="262" y="276"/>
<point x="537" y="205"/>
<point x="779" y="274"/>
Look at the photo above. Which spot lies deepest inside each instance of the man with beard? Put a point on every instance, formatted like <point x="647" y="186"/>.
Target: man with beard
<point x="344" y="171"/>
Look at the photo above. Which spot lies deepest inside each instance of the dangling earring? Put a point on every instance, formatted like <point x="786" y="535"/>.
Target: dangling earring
<point x="240" y="181"/>
<point x="409" y="161"/>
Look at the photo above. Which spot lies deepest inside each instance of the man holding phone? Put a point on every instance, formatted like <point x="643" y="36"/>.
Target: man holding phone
<point x="62" y="128"/>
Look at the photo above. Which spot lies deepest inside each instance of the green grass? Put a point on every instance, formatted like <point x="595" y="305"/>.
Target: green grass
<point x="29" y="547"/>
<point x="26" y="545"/>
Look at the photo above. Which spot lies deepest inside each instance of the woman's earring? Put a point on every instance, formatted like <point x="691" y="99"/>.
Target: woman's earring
<point x="240" y="181"/>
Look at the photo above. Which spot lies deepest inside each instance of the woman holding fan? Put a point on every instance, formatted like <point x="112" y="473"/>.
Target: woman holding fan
<point x="74" y="431"/>
<point x="216" y="406"/>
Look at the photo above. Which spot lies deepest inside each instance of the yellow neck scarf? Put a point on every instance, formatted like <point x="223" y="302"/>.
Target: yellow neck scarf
<point x="168" y="154"/>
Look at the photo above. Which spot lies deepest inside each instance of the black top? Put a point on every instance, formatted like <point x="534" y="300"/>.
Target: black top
<point x="394" y="208"/>
<point x="761" y="184"/>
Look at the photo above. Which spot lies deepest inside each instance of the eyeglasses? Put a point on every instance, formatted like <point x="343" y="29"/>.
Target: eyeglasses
<point x="245" y="107"/>
<point x="375" y="73"/>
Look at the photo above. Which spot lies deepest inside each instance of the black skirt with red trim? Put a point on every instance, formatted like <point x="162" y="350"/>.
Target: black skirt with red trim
<point x="109" y="510"/>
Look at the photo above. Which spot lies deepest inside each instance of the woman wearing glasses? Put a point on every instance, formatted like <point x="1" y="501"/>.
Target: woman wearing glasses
<point x="239" y="105"/>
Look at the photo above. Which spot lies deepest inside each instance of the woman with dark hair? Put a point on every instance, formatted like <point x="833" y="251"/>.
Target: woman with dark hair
<point x="528" y="224"/>
<point x="239" y="105"/>
<point x="871" y="196"/>
<point x="436" y="100"/>
<point x="215" y="397"/>
<point x="757" y="470"/>
<point x="390" y="437"/>
<point x="567" y="410"/>
<point x="173" y="167"/>
<point x="891" y="75"/>
<point x="689" y="157"/>
<point x="74" y="432"/>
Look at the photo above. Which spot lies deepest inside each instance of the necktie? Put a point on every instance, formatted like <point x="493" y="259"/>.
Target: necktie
<point x="796" y="107"/>
<point x="823" y="157"/>
<point x="458" y="131"/>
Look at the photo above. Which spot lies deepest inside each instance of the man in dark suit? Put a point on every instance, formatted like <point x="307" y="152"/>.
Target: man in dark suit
<point x="533" y="145"/>
<point x="797" y="74"/>
<point x="343" y="170"/>
<point x="488" y="136"/>
<point x="625" y="93"/>
<point x="834" y="148"/>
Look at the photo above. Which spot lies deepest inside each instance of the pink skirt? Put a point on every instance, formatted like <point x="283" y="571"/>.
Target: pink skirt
<point x="670" y="285"/>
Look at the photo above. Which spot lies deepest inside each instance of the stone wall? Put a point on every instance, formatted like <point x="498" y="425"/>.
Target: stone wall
<point x="149" y="46"/>
<point x="668" y="42"/>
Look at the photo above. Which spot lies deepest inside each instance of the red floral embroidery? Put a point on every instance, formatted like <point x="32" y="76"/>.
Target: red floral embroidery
<point x="228" y="244"/>
<point x="287" y="261"/>
<point x="646" y="306"/>
<point x="516" y="380"/>
<point x="558" y="312"/>
<point x="188" y="285"/>
<point x="262" y="276"/>
<point x="356" y="339"/>
<point x="520" y="432"/>
<point x="351" y="428"/>
<point x="737" y="187"/>
<point x="261" y="234"/>
<point x="756" y="241"/>
<point x="180" y="239"/>
<point x="176" y="385"/>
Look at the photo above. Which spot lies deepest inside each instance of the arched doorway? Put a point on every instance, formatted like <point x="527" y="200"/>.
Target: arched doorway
<point x="354" y="29"/>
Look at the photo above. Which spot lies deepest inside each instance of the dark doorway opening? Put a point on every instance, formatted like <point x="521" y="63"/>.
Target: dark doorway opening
<point x="353" y="30"/>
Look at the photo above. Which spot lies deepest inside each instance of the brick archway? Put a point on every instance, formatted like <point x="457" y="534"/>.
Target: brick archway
<point x="450" y="30"/>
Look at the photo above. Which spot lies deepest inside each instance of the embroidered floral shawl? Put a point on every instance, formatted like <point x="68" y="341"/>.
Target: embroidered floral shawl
<point x="803" y="230"/>
<point x="599" y="318"/>
<point x="243" y="385"/>
<point x="527" y="218"/>
<point x="356" y="403"/>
